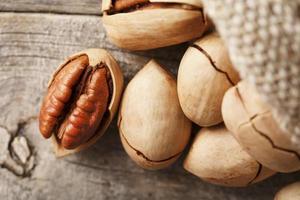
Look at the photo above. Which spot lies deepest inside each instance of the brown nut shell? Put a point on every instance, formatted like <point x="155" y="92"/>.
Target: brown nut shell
<point x="82" y="98"/>
<point x="253" y="125"/>
<point x="204" y="75"/>
<point x="142" y="25"/>
<point x="153" y="128"/>
<point x="290" y="192"/>
<point x="216" y="157"/>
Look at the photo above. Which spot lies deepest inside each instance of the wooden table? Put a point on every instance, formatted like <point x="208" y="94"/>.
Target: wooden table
<point x="35" y="36"/>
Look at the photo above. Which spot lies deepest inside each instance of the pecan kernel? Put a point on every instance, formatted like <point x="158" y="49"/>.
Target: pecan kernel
<point x="76" y="102"/>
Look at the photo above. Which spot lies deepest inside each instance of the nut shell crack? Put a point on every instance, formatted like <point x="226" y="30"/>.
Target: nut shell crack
<point x="259" y="170"/>
<point x="252" y="118"/>
<point x="140" y="153"/>
<point x="206" y="54"/>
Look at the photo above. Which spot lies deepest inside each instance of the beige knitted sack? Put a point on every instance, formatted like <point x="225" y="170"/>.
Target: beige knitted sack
<point x="263" y="37"/>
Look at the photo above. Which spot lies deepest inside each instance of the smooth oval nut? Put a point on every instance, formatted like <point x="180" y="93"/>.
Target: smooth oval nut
<point x="204" y="75"/>
<point x="290" y="192"/>
<point x="81" y="99"/>
<point x="149" y="24"/>
<point x="152" y="126"/>
<point x="251" y="121"/>
<point x="216" y="157"/>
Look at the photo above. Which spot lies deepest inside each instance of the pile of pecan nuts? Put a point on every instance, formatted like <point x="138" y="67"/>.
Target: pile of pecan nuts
<point x="239" y="143"/>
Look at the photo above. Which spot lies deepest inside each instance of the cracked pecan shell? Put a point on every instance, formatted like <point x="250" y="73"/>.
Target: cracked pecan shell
<point x="205" y="74"/>
<point x="216" y="157"/>
<point x="149" y="24"/>
<point x="252" y="123"/>
<point x="152" y="126"/>
<point x="78" y="102"/>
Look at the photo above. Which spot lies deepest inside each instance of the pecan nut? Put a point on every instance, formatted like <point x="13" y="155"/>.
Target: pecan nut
<point x="252" y="123"/>
<point x="153" y="129"/>
<point x="204" y="75"/>
<point x="76" y="102"/>
<point x="149" y="24"/>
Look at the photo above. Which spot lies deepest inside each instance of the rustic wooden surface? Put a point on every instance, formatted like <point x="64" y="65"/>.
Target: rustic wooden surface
<point x="35" y="36"/>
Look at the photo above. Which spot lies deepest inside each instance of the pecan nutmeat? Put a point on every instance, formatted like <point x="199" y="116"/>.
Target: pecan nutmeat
<point x="76" y="102"/>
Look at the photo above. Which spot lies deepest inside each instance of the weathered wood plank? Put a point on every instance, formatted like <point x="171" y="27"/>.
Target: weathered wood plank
<point x="91" y="7"/>
<point x="31" y="47"/>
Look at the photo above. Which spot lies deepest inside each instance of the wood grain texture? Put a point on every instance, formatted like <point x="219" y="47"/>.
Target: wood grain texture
<point x="87" y="7"/>
<point x="31" y="47"/>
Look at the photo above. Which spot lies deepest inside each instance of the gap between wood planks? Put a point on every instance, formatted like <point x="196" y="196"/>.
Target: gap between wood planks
<point x="52" y="12"/>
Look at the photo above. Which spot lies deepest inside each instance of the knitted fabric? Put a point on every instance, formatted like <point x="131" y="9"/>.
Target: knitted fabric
<point x="263" y="37"/>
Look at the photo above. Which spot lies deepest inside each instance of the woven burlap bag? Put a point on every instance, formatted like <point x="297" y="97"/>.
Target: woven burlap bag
<point x="263" y="37"/>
